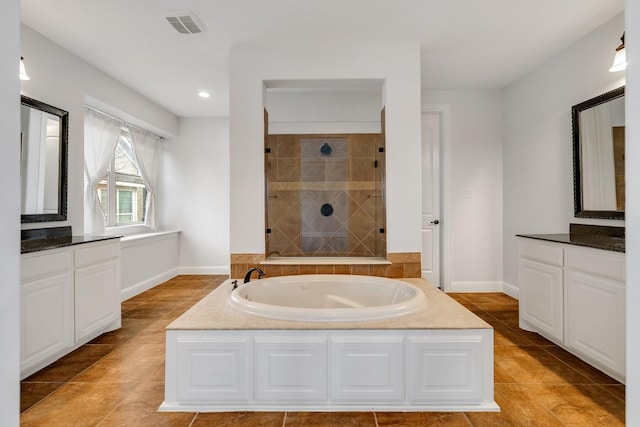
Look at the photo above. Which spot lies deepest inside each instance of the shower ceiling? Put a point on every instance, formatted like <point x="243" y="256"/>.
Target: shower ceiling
<point x="464" y="44"/>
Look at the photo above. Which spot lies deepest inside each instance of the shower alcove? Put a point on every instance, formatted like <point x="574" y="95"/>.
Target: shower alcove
<point x="325" y="172"/>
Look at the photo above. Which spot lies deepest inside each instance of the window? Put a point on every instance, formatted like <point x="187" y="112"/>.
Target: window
<point x="121" y="191"/>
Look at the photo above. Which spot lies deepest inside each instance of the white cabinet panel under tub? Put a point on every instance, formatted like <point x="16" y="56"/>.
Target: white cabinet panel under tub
<point x="575" y="296"/>
<point x="329" y="370"/>
<point x="213" y="368"/>
<point x="68" y="296"/>
<point x="447" y="368"/>
<point x="366" y="369"/>
<point x="290" y="369"/>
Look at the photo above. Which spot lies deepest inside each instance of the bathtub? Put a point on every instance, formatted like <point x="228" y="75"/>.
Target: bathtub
<point x="221" y="359"/>
<point x="328" y="298"/>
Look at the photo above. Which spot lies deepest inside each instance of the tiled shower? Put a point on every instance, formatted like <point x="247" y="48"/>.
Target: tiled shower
<point x="325" y="195"/>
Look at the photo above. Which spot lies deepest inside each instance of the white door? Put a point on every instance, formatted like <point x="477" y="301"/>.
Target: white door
<point x="431" y="145"/>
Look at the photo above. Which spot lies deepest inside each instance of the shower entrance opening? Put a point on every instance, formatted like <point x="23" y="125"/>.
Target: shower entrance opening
<point x="325" y="195"/>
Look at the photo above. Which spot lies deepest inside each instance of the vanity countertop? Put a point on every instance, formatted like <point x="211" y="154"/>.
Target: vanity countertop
<point x="42" y="239"/>
<point x="35" y="245"/>
<point x="590" y="236"/>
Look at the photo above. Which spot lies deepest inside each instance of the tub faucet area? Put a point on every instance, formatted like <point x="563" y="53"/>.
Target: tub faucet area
<point x="247" y="277"/>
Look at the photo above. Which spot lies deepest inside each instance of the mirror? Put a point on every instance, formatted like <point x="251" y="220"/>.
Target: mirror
<point x="598" y="156"/>
<point x="43" y="161"/>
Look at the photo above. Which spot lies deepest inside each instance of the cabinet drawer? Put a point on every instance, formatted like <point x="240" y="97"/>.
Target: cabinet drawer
<point x="602" y="263"/>
<point x="547" y="254"/>
<point x="44" y="264"/>
<point x="94" y="254"/>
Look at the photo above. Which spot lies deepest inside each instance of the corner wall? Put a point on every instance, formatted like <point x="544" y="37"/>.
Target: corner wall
<point x="399" y="66"/>
<point x="632" y="154"/>
<point x="538" y="163"/>
<point x="194" y="194"/>
<point x="10" y="215"/>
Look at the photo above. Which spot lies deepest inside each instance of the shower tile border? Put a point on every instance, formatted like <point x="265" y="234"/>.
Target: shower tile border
<point x="396" y="265"/>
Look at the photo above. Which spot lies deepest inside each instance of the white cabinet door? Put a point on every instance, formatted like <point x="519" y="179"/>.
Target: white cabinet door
<point x="97" y="297"/>
<point x="448" y="368"/>
<point x="46" y="318"/>
<point x="293" y="369"/>
<point x="209" y="368"/>
<point x="367" y="369"/>
<point x="541" y="297"/>
<point x="595" y="316"/>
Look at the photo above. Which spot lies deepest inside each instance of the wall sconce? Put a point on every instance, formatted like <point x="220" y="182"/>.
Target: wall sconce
<point x="620" y="60"/>
<point x="23" y="72"/>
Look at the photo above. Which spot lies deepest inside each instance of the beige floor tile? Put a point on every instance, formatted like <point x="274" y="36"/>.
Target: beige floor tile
<point x="330" y="419"/>
<point x="77" y="404"/>
<point x="140" y="409"/>
<point x="239" y="419"/>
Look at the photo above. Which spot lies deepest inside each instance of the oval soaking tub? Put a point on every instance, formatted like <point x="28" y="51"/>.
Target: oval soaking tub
<point x="328" y="298"/>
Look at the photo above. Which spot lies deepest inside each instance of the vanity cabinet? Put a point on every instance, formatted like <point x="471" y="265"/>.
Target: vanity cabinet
<point x="575" y="296"/>
<point x="68" y="296"/>
<point x="595" y="306"/>
<point x="541" y="290"/>
<point x="97" y="299"/>
<point x="46" y="306"/>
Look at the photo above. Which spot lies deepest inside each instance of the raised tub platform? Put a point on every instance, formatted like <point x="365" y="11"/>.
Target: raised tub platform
<point x="220" y="359"/>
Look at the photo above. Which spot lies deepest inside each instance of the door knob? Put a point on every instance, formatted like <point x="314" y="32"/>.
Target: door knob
<point x="435" y="221"/>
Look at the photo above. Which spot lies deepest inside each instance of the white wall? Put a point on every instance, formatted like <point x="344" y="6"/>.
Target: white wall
<point x="632" y="135"/>
<point x="398" y="65"/>
<point x="347" y="111"/>
<point x="475" y="197"/>
<point x="10" y="215"/>
<point x="538" y="165"/>
<point x="194" y="193"/>
<point x="63" y="80"/>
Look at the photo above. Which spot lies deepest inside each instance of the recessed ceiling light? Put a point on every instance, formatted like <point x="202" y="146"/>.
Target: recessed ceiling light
<point x="204" y="94"/>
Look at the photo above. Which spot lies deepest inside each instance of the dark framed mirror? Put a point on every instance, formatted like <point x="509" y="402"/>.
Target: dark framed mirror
<point x="598" y="156"/>
<point x="43" y="161"/>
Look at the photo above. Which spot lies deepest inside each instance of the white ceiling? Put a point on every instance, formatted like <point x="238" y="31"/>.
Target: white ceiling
<point x="465" y="44"/>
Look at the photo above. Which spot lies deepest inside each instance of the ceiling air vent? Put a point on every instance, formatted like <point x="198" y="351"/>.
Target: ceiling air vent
<point x="184" y="22"/>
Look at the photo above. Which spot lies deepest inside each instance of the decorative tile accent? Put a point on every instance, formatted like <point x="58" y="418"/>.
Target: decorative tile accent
<point x="402" y="265"/>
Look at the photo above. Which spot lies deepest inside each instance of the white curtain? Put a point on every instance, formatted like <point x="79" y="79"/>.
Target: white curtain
<point x="101" y="135"/>
<point x="146" y="147"/>
<point x="598" y="167"/>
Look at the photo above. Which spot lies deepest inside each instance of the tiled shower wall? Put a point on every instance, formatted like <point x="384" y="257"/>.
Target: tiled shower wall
<point x="325" y="195"/>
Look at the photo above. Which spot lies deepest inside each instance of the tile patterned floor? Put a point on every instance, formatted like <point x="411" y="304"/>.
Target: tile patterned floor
<point x="118" y="378"/>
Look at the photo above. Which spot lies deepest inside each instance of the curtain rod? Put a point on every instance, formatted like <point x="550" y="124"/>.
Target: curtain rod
<point x="125" y="123"/>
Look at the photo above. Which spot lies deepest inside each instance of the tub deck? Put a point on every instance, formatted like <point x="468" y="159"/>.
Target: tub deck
<point x="219" y="359"/>
<point x="213" y="312"/>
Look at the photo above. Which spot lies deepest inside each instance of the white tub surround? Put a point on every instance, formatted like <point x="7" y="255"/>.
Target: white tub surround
<point x="437" y="359"/>
<point x="328" y="298"/>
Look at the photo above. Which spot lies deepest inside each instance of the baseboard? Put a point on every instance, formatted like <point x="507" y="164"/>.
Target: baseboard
<point x="511" y="290"/>
<point x="214" y="269"/>
<point x="475" y="286"/>
<point x="147" y="284"/>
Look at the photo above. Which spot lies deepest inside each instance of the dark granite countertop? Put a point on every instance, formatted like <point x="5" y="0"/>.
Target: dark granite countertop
<point x="53" y="238"/>
<point x="27" y="246"/>
<point x="590" y="236"/>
